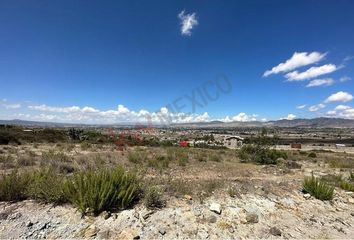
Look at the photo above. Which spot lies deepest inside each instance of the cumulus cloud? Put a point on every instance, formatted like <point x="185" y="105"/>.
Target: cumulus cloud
<point x="297" y="60"/>
<point x="339" y="97"/>
<point x="121" y="114"/>
<point x="290" y="116"/>
<point x="241" y="117"/>
<point x="320" y="82"/>
<point x="331" y="113"/>
<point x="342" y="107"/>
<point x="317" y="107"/>
<point x="342" y="111"/>
<point x="301" y="106"/>
<point x="344" y="79"/>
<point x="311" y="72"/>
<point x="188" y="22"/>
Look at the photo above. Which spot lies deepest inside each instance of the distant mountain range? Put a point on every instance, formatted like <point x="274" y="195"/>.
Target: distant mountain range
<point x="300" y="123"/>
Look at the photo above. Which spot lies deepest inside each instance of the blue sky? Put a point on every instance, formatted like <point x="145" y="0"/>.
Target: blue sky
<point x="118" y="61"/>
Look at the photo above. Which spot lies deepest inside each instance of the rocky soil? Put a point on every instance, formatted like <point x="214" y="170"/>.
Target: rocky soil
<point x="262" y="214"/>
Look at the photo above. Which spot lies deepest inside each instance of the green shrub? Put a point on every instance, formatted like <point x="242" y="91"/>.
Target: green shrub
<point x="159" y="162"/>
<point x="317" y="188"/>
<point x="346" y="186"/>
<point x="182" y="157"/>
<point x="137" y="156"/>
<point x="232" y="191"/>
<point x="96" y="191"/>
<point x="153" y="198"/>
<point x="13" y="186"/>
<point x="85" y="146"/>
<point x="215" y="158"/>
<point x="46" y="186"/>
<point x="58" y="161"/>
<point x="342" y="163"/>
<point x="261" y="155"/>
<point x="312" y="155"/>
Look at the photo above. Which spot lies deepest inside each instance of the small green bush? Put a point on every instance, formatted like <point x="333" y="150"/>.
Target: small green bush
<point x="346" y="186"/>
<point x="317" y="188"/>
<point x="261" y="155"/>
<point x="215" y="158"/>
<point x="59" y="161"/>
<point x="46" y="186"/>
<point x="232" y="191"/>
<point x="182" y="156"/>
<point x="312" y="155"/>
<point x="137" y="156"/>
<point x="153" y="198"/>
<point x="159" y="162"/>
<point x="13" y="186"/>
<point x="96" y="191"/>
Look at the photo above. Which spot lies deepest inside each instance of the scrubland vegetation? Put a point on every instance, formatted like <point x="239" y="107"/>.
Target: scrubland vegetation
<point x="89" y="171"/>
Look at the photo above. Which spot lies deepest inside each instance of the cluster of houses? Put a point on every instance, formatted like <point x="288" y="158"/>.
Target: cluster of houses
<point x="229" y="141"/>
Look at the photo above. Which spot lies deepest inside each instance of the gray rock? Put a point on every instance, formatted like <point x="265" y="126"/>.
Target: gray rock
<point x="103" y="235"/>
<point x="211" y="218"/>
<point x="29" y="224"/>
<point x="105" y="215"/>
<point x="147" y="214"/>
<point x="162" y="231"/>
<point x="252" y="218"/>
<point x="215" y="207"/>
<point x="275" y="231"/>
<point x="307" y="196"/>
<point x="203" y="234"/>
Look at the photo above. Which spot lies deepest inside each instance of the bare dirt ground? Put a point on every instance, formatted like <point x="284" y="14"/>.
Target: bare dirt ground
<point x="204" y="200"/>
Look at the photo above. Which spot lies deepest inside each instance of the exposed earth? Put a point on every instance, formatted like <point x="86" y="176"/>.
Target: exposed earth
<point x="265" y="202"/>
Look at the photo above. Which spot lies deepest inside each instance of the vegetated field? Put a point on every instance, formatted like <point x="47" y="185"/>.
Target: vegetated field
<point x="164" y="191"/>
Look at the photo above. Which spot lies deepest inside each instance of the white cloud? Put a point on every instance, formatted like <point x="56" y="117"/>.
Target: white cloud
<point x="122" y="109"/>
<point x="290" y="116"/>
<point x="311" y="72"/>
<point x="301" y="106"/>
<point x="342" y="107"/>
<point x="342" y="111"/>
<point x="317" y="107"/>
<point x="188" y="22"/>
<point x="297" y="60"/>
<point x="89" y="110"/>
<point x="119" y="115"/>
<point x="339" y="97"/>
<point x="241" y="117"/>
<point x="320" y="82"/>
<point x="345" y="78"/>
<point x="331" y="113"/>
